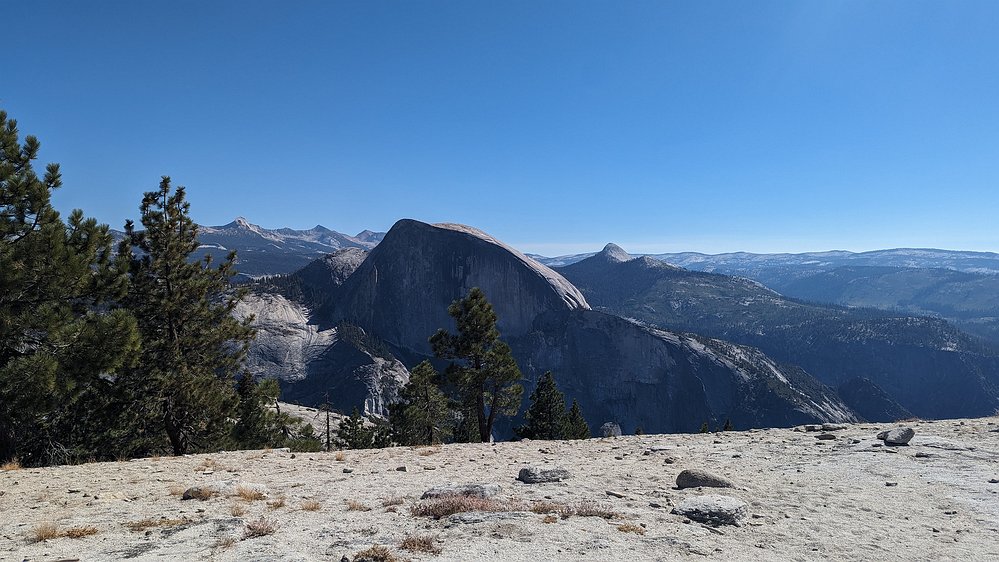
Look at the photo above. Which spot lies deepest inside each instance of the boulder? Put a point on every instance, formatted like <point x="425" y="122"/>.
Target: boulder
<point x="610" y="429"/>
<point x="897" y="436"/>
<point x="538" y="475"/>
<point x="713" y="510"/>
<point x="696" y="478"/>
<point x="468" y="490"/>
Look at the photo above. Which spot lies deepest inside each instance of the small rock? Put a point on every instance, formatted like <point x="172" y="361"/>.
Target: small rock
<point x="993" y="480"/>
<point x="833" y="426"/>
<point x="348" y="470"/>
<point x="469" y="490"/>
<point x="538" y="475"/>
<point x="922" y="455"/>
<point x="696" y="478"/>
<point x="897" y="436"/>
<point x="402" y="469"/>
<point x="825" y="436"/>
<point x="812" y="427"/>
<point x="713" y="509"/>
<point x="610" y="429"/>
<point x="891" y="484"/>
<point x="614" y="494"/>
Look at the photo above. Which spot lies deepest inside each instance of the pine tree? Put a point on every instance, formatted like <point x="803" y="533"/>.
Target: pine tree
<point x="351" y="433"/>
<point x="60" y="345"/>
<point x="576" y="426"/>
<point x="546" y="416"/>
<point x="486" y="374"/>
<point x="422" y="416"/>
<point x="192" y="347"/>
<point x="728" y="425"/>
<point x="704" y="428"/>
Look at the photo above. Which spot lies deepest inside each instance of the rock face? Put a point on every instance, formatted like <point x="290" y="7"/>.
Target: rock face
<point x="540" y="475"/>
<point x="697" y="478"/>
<point x="897" y="436"/>
<point x="402" y="291"/>
<point x="311" y="361"/>
<point x="713" y="510"/>
<point x="872" y="403"/>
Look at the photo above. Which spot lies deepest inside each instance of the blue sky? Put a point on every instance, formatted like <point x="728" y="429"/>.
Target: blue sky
<point x="556" y="126"/>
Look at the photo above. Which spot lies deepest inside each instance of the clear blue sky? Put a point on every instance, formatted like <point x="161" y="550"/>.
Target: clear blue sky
<point x="556" y="126"/>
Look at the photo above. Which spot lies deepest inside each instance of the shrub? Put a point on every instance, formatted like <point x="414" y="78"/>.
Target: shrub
<point x="631" y="528"/>
<point x="45" y="531"/>
<point x="310" y="505"/>
<point x="249" y="494"/>
<point x="354" y="505"/>
<point x="12" y="464"/>
<point x="376" y="554"/>
<point x="449" y="505"/>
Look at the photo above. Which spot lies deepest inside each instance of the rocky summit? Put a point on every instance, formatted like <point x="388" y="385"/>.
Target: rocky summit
<point x="793" y="498"/>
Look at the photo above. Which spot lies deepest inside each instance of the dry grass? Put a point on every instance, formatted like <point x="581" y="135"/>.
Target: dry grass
<point x="259" y="528"/>
<point x="420" y="543"/>
<point x="201" y="494"/>
<point x="449" y="505"/>
<point x="354" y="505"/>
<point x="208" y="464"/>
<point x="237" y="510"/>
<point x="376" y="553"/>
<point x="45" y="531"/>
<point x="340" y="456"/>
<point x="429" y="450"/>
<point x="631" y="528"/>
<point x="394" y="500"/>
<point x="249" y="494"/>
<point x="177" y="490"/>
<point x="12" y="464"/>
<point x="311" y="505"/>
<point x="48" y="531"/>
<point x="276" y="503"/>
<point x="591" y="509"/>
<point x="148" y="522"/>
<point x="80" y="532"/>
<point x="226" y="542"/>
<point x="550" y="519"/>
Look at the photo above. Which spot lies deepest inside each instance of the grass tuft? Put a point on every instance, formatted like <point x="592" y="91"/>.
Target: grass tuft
<point x="394" y="500"/>
<point x="631" y="528"/>
<point x="354" y="505"/>
<point x="148" y="522"/>
<point x="376" y="553"/>
<point x="259" y="528"/>
<point x="80" y="532"/>
<point x="340" y="456"/>
<point x="45" y="531"/>
<point x="249" y="494"/>
<point x="311" y="505"/>
<point x="12" y="464"/>
<point x="276" y="503"/>
<point x="420" y="543"/>
<point x="237" y="510"/>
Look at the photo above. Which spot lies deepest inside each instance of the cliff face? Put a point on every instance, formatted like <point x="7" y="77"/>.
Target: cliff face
<point x="619" y="370"/>
<point x="402" y="290"/>
<point x="663" y="381"/>
<point x="310" y="361"/>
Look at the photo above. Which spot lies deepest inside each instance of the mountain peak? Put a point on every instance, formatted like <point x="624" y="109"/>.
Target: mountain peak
<point x="613" y="252"/>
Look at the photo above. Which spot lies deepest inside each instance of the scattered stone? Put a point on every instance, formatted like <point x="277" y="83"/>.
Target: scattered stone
<point x="348" y="470"/>
<point x="696" y="478"/>
<point x="891" y="484"/>
<point x="993" y="480"/>
<point x="897" y="436"/>
<point x="402" y="469"/>
<point x="614" y="494"/>
<point x="195" y="493"/>
<point x="834" y="426"/>
<point x="825" y="436"/>
<point x="922" y="455"/>
<point x="538" y="475"/>
<point x="610" y="429"/>
<point x="812" y="427"/>
<point x="713" y="510"/>
<point x="468" y="490"/>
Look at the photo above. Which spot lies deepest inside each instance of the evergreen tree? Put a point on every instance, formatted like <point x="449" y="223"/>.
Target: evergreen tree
<point x="704" y="428"/>
<point x="60" y="346"/>
<point x="351" y="433"/>
<point x="546" y="417"/>
<point x="486" y="374"/>
<point x="575" y="424"/>
<point x="422" y="416"/>
<point x="192" y="347"/>
<point x="728" y="425"/>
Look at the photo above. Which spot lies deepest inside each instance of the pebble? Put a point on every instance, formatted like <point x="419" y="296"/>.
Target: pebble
<point x="696" y="478"/>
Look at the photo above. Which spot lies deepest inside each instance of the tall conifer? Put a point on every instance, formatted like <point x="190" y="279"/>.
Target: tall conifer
<point x="192" y="347"/>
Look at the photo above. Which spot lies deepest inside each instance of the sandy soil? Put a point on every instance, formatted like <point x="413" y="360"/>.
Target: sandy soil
<point x="809" y="499"/>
